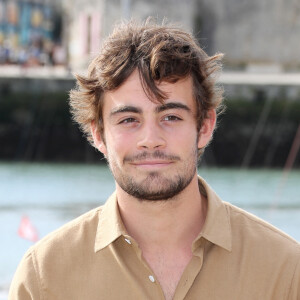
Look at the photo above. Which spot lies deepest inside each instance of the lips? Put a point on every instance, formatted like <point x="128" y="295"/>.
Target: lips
<point x="152" y="163"/>
<point x="146" y="158"/>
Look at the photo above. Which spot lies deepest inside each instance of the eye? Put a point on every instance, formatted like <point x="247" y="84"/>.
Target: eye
<point x="171" y="118"/>
<point x="128" y="120"/>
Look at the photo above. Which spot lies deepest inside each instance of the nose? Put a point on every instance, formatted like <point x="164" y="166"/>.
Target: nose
<point x="151" y="137"/>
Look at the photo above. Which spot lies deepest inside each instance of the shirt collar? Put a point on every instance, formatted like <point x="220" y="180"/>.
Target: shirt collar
<point x="216" y="229"/>
<point x="110" y="225"/>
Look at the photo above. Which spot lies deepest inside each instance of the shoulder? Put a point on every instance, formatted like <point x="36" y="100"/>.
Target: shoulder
<point x="51" y="258"/>
<point x="87" y="221"/>
<point x="266" y="253"/>
<point x="70" y="238"/>
<point x="251" y="230"/>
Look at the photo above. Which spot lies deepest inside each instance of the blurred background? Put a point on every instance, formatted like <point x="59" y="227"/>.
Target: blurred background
<point x="49" y="174"/>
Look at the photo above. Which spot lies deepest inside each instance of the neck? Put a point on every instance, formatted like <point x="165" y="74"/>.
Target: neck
<point x="165" y="224"/>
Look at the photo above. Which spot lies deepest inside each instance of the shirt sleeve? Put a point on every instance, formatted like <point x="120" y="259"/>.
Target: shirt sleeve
<point x="25" y="284"/>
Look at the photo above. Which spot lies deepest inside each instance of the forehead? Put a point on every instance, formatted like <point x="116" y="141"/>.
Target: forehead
<point x="131" y="92"/>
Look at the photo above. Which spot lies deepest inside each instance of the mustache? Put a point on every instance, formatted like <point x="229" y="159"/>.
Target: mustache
<point x="146" y="155"/>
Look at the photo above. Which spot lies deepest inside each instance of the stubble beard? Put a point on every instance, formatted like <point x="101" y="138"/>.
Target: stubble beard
<point x="155" y="186"/>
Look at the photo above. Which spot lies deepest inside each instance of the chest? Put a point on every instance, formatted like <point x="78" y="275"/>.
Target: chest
<point x="168" y="270"/>
<point x="118" y="273"/>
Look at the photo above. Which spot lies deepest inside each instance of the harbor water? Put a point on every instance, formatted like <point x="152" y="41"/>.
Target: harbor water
<point x="53" y="194"/>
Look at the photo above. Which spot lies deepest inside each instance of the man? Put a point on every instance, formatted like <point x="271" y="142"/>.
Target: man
<point x="149" y="105"/>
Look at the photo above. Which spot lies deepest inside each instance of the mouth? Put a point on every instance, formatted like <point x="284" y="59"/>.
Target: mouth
<point x="152" y="163"/>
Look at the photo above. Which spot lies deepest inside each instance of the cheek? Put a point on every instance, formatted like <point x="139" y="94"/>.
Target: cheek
<point x="184" y="144"/>
<point x="119" y="144"/>
<point x="186" y="137"/>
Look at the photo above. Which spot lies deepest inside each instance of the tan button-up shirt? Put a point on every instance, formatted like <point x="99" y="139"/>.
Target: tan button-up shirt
<point x="236" y="257"/>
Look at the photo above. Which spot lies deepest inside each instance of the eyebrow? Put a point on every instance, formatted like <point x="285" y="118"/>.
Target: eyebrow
<point x="124" y="109"/>
<point x="158" y="109"/>
<point x="172" y="105"/>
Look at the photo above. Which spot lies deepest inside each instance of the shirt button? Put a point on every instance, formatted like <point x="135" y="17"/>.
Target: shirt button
<point x="128" y="241"/>
<point x="151" y="278"/>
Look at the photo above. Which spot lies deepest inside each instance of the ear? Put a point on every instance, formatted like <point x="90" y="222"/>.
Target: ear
<point x="207" y="129"/>
<point x="98" y="139"/>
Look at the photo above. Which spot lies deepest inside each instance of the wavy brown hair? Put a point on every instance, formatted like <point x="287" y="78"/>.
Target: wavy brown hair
<point x="160" y="52"/>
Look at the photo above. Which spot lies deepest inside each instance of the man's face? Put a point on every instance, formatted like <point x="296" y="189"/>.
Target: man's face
<point x="151" y="147"/>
